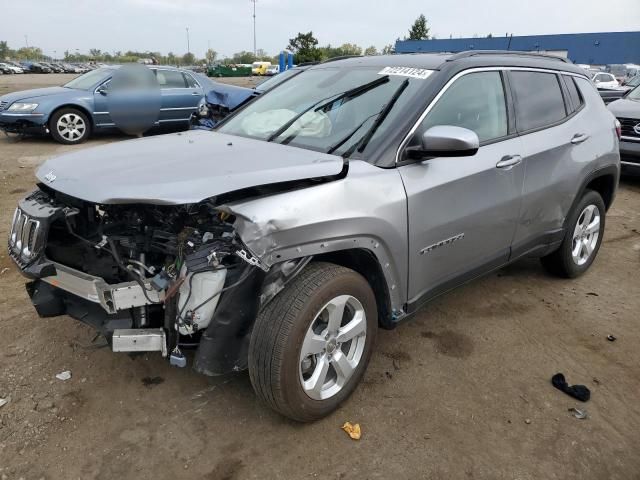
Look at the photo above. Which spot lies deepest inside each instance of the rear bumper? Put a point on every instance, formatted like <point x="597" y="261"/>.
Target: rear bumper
<point x="24" y="122"/>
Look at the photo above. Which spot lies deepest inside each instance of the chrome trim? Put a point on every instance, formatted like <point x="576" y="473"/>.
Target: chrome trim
<point x="442" y="91"/>
<point x="177" y="108"/>
<point x="112" y="297"/>
<point x="101" y="113"/>
<point x="23" y="236"/>
<point x="22" y="114"/>
<point x="630" y="164"/>
<point x="630" y="139"/>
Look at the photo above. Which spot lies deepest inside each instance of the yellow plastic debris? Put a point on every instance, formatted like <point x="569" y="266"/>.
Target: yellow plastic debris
<point x="352" y="430"/>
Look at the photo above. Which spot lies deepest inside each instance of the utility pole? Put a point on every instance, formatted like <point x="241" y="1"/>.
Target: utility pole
<point x="188" y="46"/>
<point x="255" y="49"/>
<point x="26" y="39"/>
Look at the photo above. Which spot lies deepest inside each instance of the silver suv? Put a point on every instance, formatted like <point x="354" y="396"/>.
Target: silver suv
<point x="340" y="201"/>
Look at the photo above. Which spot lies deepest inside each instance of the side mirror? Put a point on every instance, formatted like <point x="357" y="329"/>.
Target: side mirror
<point x="446" y="141"/>
<point x="103" y="90"/>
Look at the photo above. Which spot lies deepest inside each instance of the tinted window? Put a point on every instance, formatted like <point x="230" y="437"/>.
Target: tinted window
<point x="170" y="79"/>
<point x="191" y="83"/>
<point x="574" y="94"/>
<point x="539" y="99"/>
<point x="475" y="101"/>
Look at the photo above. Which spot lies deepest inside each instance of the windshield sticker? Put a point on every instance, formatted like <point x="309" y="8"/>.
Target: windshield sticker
<point x="406" y="72"/>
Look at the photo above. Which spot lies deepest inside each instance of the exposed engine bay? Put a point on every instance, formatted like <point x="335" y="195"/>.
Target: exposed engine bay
<point x="166" y="277"/>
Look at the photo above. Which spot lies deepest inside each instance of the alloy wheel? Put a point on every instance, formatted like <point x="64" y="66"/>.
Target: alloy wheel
<point x="71" y="127"/>
<point x="333" y="347"/>
<point x="585" y="235"/>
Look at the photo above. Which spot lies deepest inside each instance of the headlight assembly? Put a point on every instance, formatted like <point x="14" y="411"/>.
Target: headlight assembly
<point x="22" y="107"/>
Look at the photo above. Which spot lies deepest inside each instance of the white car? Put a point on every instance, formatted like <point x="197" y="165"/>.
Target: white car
<point x="605" y="81"/>
<point x="11" y="67"/>
<point x="273" y="70"/>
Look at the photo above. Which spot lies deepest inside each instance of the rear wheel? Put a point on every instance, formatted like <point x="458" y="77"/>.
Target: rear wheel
<point x="582" y="239"/>
<point x="69" y="126"/>
<point x="311" y="345"/>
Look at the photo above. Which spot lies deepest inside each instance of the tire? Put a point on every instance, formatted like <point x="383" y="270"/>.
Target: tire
<point x="69" y="126"/>
<point x="277" y="369"/>
<point x="563" y="262"/>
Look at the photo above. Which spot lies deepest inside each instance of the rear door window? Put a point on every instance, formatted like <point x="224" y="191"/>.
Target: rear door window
<point x="539" y="100"/>
<point x="170" y="79"/>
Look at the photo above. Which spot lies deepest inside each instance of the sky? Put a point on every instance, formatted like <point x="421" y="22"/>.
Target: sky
<point x="227" y="25"/>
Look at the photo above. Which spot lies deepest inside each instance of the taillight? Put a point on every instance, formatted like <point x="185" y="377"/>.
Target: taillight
<point x="618" y="129"/>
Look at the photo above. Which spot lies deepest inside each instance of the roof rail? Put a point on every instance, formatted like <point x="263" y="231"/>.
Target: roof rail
<point x="342" y="57"/>
<point x="473" y="53"/>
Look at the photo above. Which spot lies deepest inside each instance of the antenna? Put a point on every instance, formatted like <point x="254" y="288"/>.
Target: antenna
<point x="255" y="50"/>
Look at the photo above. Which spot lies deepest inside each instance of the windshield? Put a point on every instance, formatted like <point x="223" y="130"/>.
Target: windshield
<point x="89" y="79"/>
<point x="634" y="82"/>
<point x="634" y="94"/>
<point x="333" y="110"/>
<point x="277" y="80"/>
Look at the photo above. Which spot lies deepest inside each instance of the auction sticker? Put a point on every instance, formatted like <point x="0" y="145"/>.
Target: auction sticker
<point x="406" y="72"/>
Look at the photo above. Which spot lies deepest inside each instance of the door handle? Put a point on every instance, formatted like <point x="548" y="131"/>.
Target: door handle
<point x="509" y="161"/>
<point x="579" y="138"/>
<point x="195" y="93"/>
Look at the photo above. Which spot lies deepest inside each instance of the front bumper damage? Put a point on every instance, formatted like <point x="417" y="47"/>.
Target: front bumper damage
<point x="30" y="123"/>
<point x="113" y="308"/>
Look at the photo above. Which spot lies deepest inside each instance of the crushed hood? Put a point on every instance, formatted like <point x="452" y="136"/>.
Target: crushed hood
<point x="625" y="108"/>
<point x="33" y="94"/>
<point x="180" y="168"/>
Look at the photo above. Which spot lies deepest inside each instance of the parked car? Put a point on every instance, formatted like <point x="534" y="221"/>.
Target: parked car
<point x="7" y="67"/>
<point x="623" y="72"/>
<point x="627" y="111"/>
<point x="53" y="67"/>
<point x="605" y="81"/>
<point x="68" y="68"/>
<point x="72" y="112"/>
<point x="35" y="67"/>
<point x="611" y="95"/>
<point x="272" y="70"/>
<point x="340" y="201"/>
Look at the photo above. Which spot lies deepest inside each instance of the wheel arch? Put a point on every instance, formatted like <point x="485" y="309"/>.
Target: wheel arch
<point x="366" y="264"/>
<point x="75" y="106"/>
<point x="604" y="181"/>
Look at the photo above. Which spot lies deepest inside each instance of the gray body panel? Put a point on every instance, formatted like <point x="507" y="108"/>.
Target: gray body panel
<point x="181" y="168"/>
<point x="469" y="196"/>
<point x="367" y="209"/>
<point x="554" y="166"/>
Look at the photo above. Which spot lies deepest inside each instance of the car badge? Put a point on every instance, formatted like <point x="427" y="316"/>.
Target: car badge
<point x="50" y="177"/>
<point x="637" y="129"/>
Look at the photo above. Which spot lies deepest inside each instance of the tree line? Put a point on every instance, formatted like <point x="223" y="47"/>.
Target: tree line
<point x="304" y="45"/>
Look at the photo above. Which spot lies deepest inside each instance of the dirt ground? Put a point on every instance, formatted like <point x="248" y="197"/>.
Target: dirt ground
<point x="461" y="391"/>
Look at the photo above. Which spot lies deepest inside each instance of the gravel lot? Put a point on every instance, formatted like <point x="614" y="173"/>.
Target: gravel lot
<point x="462" y="391"/>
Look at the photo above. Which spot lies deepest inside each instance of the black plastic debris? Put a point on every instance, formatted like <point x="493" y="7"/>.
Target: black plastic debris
<point x="579" y="392"/>
<point x="611" y="338"/>
<point x="152" y="381"/>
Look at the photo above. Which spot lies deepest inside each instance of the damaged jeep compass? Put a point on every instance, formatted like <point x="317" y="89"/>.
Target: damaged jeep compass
<point x="337" y="203"/>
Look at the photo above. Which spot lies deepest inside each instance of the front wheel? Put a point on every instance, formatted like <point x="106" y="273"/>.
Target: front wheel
<point x="69" y="126"/>
<point x="310" y="346"/>
<point x="582" y="239"/>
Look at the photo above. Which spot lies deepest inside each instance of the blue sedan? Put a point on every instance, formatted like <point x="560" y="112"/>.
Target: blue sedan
<point x="72" y="112"/>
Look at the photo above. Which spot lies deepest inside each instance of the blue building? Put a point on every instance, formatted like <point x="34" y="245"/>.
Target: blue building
<point x="587" y="48"/>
